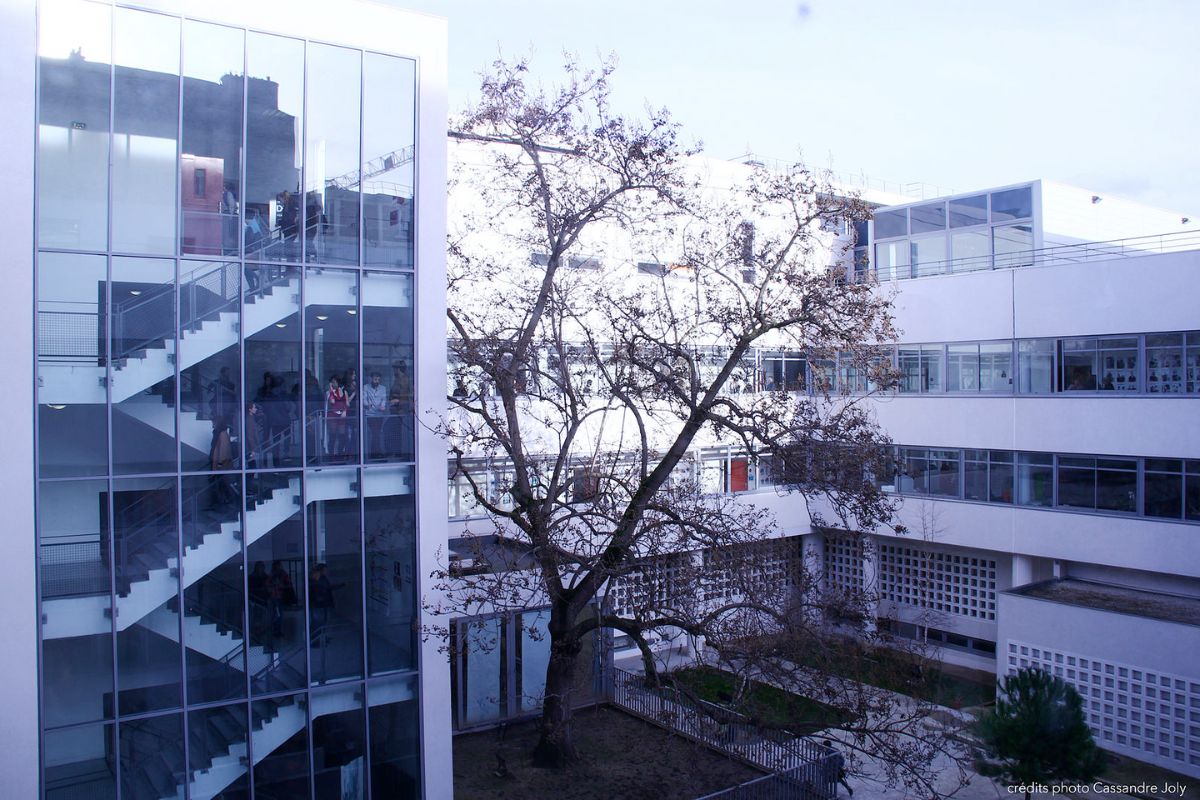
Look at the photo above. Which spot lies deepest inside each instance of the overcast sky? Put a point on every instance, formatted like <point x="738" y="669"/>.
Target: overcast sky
<point x="964" y="94"/>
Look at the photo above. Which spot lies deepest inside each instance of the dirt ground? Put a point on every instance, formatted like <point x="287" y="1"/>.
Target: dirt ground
<point x="622" y="758"/>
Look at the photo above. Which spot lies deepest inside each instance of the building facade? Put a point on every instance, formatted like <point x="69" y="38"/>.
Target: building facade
<point x="230" y="260"/>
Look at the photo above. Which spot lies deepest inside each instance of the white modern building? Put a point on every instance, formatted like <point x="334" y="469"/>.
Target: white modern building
<point x="226" y="303"/>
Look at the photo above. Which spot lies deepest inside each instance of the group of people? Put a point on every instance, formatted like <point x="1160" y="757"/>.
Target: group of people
<point x="271" y="593"/>
<point x="378" y="403"/>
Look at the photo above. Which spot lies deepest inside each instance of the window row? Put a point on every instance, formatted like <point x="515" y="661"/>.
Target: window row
<point x="160" y="593"/>
<point x="150" y="365"/>
<point x="224" y="750"/>
<point x="1151" y="487"/>
<point x="219" y="141"/>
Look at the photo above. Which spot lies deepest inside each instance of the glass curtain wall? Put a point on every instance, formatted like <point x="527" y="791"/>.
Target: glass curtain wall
<point x="226" y="545"/>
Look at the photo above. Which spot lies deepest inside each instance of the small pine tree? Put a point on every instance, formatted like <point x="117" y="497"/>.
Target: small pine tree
<point x="1037" y="734"/>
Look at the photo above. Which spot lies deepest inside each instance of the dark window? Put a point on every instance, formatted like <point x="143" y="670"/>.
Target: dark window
<point x="1012" y="204"/>
<point x="891" y="223"/>
<point x="200" y="181"/>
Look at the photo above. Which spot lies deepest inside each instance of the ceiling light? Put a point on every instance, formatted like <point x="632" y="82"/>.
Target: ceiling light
<point x="322" y="317"/>
<point x="135" y="292"/>
<point x="351" y="311"/>
<point x="280" y="324"/>
<point x="56" y="406"/>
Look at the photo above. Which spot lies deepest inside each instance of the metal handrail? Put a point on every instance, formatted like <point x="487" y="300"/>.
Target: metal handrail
<point x="1056" y="255"/>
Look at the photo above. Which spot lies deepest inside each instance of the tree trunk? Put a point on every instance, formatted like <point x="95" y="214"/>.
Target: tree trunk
<point x="556" y="745"/>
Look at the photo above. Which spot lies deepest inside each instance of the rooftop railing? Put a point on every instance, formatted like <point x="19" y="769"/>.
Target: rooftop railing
<point x="1078" y="253"/>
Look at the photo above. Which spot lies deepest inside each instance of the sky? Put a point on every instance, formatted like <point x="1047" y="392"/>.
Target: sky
<point x="956" y="94"/>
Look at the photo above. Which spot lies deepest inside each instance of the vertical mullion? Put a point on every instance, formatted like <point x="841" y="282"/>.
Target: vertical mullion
<point x="239" y="258"/>
<point x="111" y="483"/>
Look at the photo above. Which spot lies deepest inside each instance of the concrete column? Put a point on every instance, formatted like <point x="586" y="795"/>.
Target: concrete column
<point x="812" y="557"/>
<point x="1022" y="570"/>
<point x="870" y="551"/>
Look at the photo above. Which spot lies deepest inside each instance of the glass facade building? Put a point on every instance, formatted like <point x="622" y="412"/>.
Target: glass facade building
<point x="225" y="442"/>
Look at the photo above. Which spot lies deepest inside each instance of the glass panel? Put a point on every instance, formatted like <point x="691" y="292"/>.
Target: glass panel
<point x="72" y="365"/>
<point x="1012" y="204"/>
<point x="390" y="529"/>
<point x="214" y="603"/>
<point x="74" y="53"/>
<point x="389" y="109"/>
<point x="929" y="256"/>
<point x="931" y="365"/>
<point x="975" y="475"/>
<point x="891" y="223"/>
<point x="891" y="260"/>
<point x="1036" y="362"/>
<point x="1080" y="366"/>
<point x="331" y="329"/>
<point x="1191" y="362"/>
<point x="393" y="715"/>
<point x="1164" y="488"/>
<point x="1035" y="479"/>
<point x="1191" y="490"/>
<point x="532" y="658"/>
<point x="331" y="168"/>
<point x="995" y="367"/>
<point x="147" y="565"/>
<point x="280" y="770"/>
<point x="145" y="131"/>
<point x="339" y="743"/>
<point x="217" y="739"/>
<point x="966" y="211"/>
<point x="271" y="326"/>
<point x="387" y="395"/>
<point x="1013" y="246"/>
<point x="142" y="374"/>
<point x="482" y="655"/>
<point x="74" y="568"/>
<point x="274" y="121"/>
<point x="335" y="574"/>
<point x="928" y="218"/>
<point x="1165" y="359"/>
<point x="1118" y="358"/>
<point x="1077" y="482"/>
<point x="1001" y="477"/>
<point x="79" y="764"/>
<point x="275" y="550"/>
<point x="209" y="362"/>
<point x="1116" y="485"/>
<point x="909" y="361"/>
<point x="152" y="758"/>
<point x="943" y="473"/>
<point x="210" y="168"/>
<point x="970" y="250"/>
<point x="962" y="368"/>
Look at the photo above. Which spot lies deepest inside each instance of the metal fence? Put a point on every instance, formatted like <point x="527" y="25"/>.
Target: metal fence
<point x="802" y="768"/>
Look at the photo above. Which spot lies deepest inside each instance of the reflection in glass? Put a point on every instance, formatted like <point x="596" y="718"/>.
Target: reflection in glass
<point x="75" y="574"/>
<point x="995" y="366"/>
<point x="971" y="250"/>
<point x="1164" y="488"/>
<point x="891" y="260"/>
<point x="271" y="326"/>
<point x="339" y="742"/>
<point x="1035" y="360"/>
<point x="1012" y="204"/>
<point x="214" y="601"/>
<point x="331" y="354"/>
<point x="145" y="131"/>
<point x="966" y="211"/>
<point x="389" y="85"/>
<point x="210" y="179"/>
<point x="891" y="223"/>
<point x="1012" y="245"/>
<point x="74" y="54"/>
<point x="1035" y="479"/>
<point x="79" y="764"/>
<point x="142" y="374"/>
<point x="395" y="739"/>
<point x="532" y="645"/>
<point x="277" y="647"/>
<point x="209" y="367"/>
<point x="481" y="672"/>
<point x="145" y="548"/>
<point x="280" y="770"/>
<point x="928" y="218"/>
<point x="72" y="365"/>
<point x="387" y="391"/>
<point x="334" y="574"/>
<point x="390" y="531"/>
<point x="152" y="757"/>
<point x="929" y="256"/>
<point x="331" y="170"/>
<point x="271" y="207"/>
<point x="217" y="741"/>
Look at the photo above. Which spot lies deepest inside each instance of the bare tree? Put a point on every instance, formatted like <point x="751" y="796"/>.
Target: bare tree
<point x="607" y="293"/>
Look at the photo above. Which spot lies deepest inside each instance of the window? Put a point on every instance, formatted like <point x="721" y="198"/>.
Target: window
<point x="988" y="476"/>
<point x="891" y="223"/>
<point x="1102" y="484"/>
<point x="929" y="256"/>
<point x="928" y="218"/>
<point x="891" y="260"/>
<point x="967" y="211"/>
<point x="921" y="369"/>
<point x="1035" y="479"/>
<point x="1012" y="204"/>
<point x="1012" y="245"/>
<point x="1035" y="364"/>
<point x="929" y="471"/>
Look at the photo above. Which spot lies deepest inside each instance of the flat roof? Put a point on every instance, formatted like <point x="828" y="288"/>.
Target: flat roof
<point x="1117" y="599"/>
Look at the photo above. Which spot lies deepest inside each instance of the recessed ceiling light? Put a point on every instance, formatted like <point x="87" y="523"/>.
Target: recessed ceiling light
<point x="56" y="406"/>
<point x="280" y="324"/>
<point x="351" y="311"/>
<point x="322" y="317"/>
<point x="135" y="292"/>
